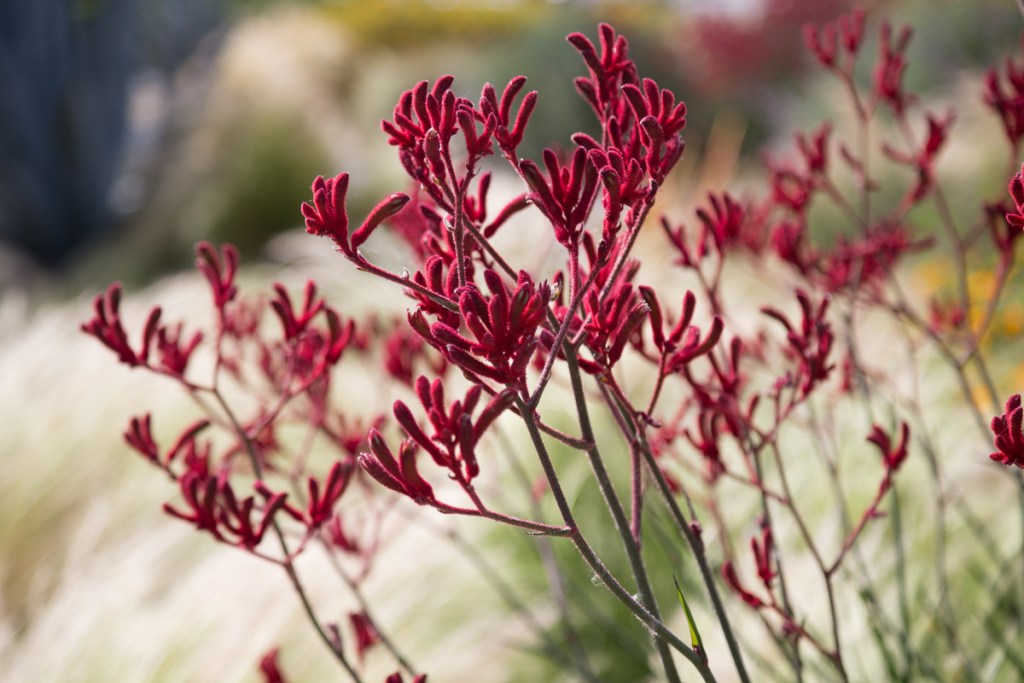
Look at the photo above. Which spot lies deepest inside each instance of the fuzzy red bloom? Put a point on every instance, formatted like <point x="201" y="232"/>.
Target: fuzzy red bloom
<point x="1016" y="217"/>
<point x="269" y="668"/>
<point x="733" y="582"/>
<point x="566" y="195"/>
<point x="322" y="499"/>
<point x="399" y="475"/>
<point x="365" y="632"/>
<point x="888" y="73"/>
<point x="893" y="455"/>
<point x="1008" y="103"/>
<point x="219" y="270"/>
<point x="327" y="217"/>
<point x="842" y="37"/>
<point x="397" y="678"/>
<point x="139" y="436"/>
<point x="214" y="507"/>
<point x="452" y="443"/>
<point x="173" y="352"/>
<point x="811" y="343"/>
<point x="503" y="326"/>
<point x="1009" y="438"/>
<point x="107" y="327"/>
<point x="489" y="106"/>
<point x="608" y="71"/>
<point x="763" y="551"/>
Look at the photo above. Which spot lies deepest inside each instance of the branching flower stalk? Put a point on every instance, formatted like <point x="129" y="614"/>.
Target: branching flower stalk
<point x="705" y="407"/>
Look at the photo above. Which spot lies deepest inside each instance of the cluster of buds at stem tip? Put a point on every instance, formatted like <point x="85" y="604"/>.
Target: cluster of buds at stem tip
<point x="763" y="551"/>
<point x="923" y="160"/>
<point x="835" y="45"/>
<point x="1016" y="217"/>
<point x="684" y="342"/>
<point x="1007" y="104"/>
<point x="452" y="444"/>
<point x="565" y="197"/>
<point x="811" y="343"/>
<point x="893" y="454"/>
<point x="721" y="223"/>
<point x="1009" y="439"/>
<point x="327" y="215"/>
<point x="401" y="474"/>
<point x="888" y="72"/>
<point x="173" y="350"/>
<point x="212" y="504"/>
<point x="503" y="326"/>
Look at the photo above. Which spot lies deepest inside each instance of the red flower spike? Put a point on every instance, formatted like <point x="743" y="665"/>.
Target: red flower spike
<point x="628" y="325"/>
<point x="1008" y="105"/>
<point x="694" y="346"/>
<point x="508" y="139"/>
<point x="705" y="440"/>
<point x="821" y="43"/>
<point x="398" y="475"/>
<point x="200" y="494"/>
<point x="892" y="455"/>
<point x="608" y="70"/>
<point x="1009" y="439"/>
<point x="219" y="270"/>
<point x="851" y="30"/>
<point x="651" y="299"/>
<point x="503" y="326"/>
<point x="237" y="518"/>
<point x="106" y="326"/>
<point x="660" y="120"/>
<point x="888" y="73"/>
<point x="140" y="437"/>
<point x="923" y="160"/>
<point x="847" y="34"/>
<point x="811" y="343"/>
<point x="213" y="507"/>
<point x="320" y="508"/>
<point x="397" y="678"/>
<point x="723" y="223"/>
<point x="565" y="197"/>
<point x="364" y="631"/>
<point x="763" y="555"/>
<point x="434" y="278"/>
<point x="1016" y="217"/>
<point x="327" y="216"/>
<point x="384" y="209"/>
<point x="340" y="538"/>
<point x="622" y="180"/>
<point x="185" y="441"/>
<point x="452" y="442"/>
<point x="295" y="324"/>
<point x="510" y="209"/>
<point x="408" y="422"/>
<point x="815" y="149"/>
<point x="173" y="353"/>
<point x="733" y="582"/>
<point x="689" y="305"/>
<point x="269" y="668"/>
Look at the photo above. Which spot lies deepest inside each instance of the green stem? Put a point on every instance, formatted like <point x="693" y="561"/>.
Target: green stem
<point x="287" y="562"/>
<point x="594" y="562"/>
<point x="614" y="504"/>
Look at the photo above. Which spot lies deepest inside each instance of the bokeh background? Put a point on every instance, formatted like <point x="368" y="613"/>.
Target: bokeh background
<point x="130" y="129"/>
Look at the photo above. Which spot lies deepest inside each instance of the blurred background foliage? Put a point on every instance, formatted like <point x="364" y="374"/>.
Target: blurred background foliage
<point x="130" y="129"/>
